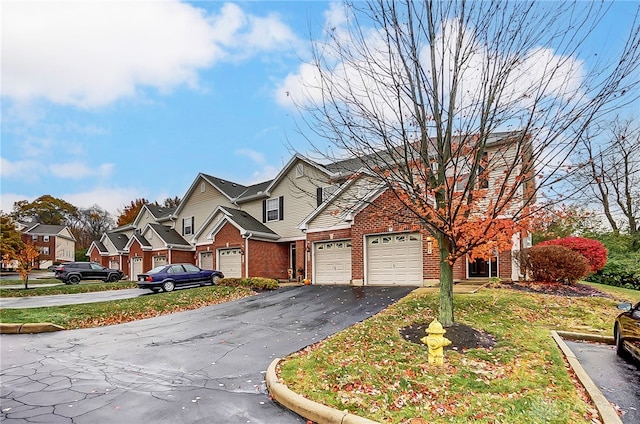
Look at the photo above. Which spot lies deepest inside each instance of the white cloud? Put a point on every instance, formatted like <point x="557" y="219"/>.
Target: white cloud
<point x="23" y="169"/>
<point x="79" y="170"/>
<point x="109" y="199"/>
<point x="264" y="171"/>
<point x="254" y="155"/>
<point x="368" y="77"/>
<point x="8" y="199"/>
<point x="92" y="53"/>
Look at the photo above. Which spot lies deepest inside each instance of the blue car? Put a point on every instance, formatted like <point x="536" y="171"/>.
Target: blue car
<point x="168" y="277"/>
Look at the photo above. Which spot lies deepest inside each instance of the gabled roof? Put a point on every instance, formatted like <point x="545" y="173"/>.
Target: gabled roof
<point x="159" y="212"/>
<point x="169" y="236"/>
<point x="62" y="231"/>
<point x="122" y="228"/>
<point x="119" y="241"/>
<point x="99" y="246"/>
<point x="348" y="214"/>
<point x="46" y="230"/>
<point x="143" y="242"/>
<point x="245" y="223"/>
<point x="248" y="223"/>
<point x="292" y="162"/>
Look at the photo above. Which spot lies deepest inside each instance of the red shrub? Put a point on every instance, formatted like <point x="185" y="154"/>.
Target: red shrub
<point x="555" y="264"/>
<point x="593" y="250"/>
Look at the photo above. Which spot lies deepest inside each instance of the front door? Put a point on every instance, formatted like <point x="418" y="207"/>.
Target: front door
<point x="481" y="268"/>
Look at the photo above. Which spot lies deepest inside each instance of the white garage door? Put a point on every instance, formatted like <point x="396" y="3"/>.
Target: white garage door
<point x="159" y="261"/>
<point x="332" y="262"/>
<point x="206" y="260"/>
<point x="394" y="259"/>
<point x="136" y="268"/>
<point x="230" y="263"/>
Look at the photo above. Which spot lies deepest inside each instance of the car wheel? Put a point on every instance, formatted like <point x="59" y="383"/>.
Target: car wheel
<point x="618" y="338"/>
<point x="168" y="286"/>
<point x="214" y="280"/>
<point x="113" y="278"/>
<point x="74" y="279"/>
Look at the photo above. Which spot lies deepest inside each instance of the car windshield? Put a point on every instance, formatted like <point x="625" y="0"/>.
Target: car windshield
<point x="156" y="269"/>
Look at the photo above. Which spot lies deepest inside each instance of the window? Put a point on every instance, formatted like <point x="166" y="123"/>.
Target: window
<point x="96" y="266"/>
<point x="483" y="178"/>
<point x="299" y="170"/>
<point x="273" y="209"/>
<point x="187" y="226"/>
<point x="44" y="250"/>
<point x="45" y="238"/>
<point x="34" y="237"/>
<point x="203" y="187"/>
<point x="323" y="193"/>
<point x="191" y="268"/>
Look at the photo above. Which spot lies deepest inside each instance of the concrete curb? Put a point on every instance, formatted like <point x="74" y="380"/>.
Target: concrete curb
<point x="598" y="338"/>
<point x="40" y="327"/>
<point x="606" y="411"/>
<point x="304" y="407"/>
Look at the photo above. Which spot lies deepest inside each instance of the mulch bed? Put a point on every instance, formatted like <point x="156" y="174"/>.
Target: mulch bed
<point x="465" y="337"/>
<point x="556" y="289"/>
<point x="462" y="336"/>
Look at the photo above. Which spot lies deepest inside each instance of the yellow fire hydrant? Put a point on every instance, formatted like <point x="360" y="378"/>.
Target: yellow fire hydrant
<point x="436" y="341"/>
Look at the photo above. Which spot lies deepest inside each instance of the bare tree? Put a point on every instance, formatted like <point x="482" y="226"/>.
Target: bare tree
<point x="419" y="90"/>
<point x="609" y="174"/>
<point x="90" y="225"/>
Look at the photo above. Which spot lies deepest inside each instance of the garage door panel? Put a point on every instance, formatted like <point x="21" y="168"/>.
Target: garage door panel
<point x="394" y="259"/>
<point x="230" y="262"/>
<point x="332" y="262"/>
<point x="136" y="268"/>
<point x="206" y="260"/>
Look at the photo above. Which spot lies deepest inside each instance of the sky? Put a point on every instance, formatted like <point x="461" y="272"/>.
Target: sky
<point x="104" y="102"/>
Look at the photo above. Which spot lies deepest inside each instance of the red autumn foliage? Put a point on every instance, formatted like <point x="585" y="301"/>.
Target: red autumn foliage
<point x="555" y="264"/>
<point x="594" y="251"/>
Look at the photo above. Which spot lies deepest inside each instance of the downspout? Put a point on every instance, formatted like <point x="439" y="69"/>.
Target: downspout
<point x="170" y="258"/>
<point x="246" y="255"/>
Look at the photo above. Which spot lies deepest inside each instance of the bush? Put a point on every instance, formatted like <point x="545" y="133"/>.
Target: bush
<point x="593" y="250"/>
<point x="256" y="283"/>
<point x="621" y="271"/>
<point x="558" y="264"/>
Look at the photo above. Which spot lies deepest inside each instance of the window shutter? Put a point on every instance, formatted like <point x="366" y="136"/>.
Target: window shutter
<point x="281" y="207"/>
<point x="264" y="211"/>
<point x="319" y="195"/>
<point x="193" y="223"/>
<point x="182" y="226"/>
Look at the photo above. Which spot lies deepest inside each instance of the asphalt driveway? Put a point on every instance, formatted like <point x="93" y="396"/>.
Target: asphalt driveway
<point x="201" y="366"/>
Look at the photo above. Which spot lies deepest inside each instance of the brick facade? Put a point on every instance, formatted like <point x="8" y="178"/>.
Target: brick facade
<point x="268" y="259"/>
<point x="386" y="215"/>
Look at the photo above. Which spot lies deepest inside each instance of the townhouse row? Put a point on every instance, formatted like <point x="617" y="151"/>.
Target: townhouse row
<point x="321" y="222"/>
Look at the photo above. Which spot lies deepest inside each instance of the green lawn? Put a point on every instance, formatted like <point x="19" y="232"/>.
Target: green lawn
<point x="117" y="311"/>
<point x="371" y="371"/>
<point x="84" y="287"/>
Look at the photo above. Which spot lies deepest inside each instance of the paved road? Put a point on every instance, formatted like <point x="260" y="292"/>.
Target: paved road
<point x="202" y="366"/>
<point x="619" y="380"/>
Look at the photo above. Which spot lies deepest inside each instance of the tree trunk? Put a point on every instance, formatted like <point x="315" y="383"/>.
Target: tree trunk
<point x="26" y="282"/>
<point x="446" y="284"/>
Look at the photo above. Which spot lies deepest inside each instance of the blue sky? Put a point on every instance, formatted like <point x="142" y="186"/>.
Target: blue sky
<point x="105" y="102"/>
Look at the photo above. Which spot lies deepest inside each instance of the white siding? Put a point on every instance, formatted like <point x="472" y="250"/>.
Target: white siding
<point x="299" y="201"/>
<point x="200" y="205"/>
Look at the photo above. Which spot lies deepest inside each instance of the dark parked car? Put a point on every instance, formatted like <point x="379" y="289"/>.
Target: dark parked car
<point x="626" y="331"/>
<point x="167" y="277"/>
<point x="73" y="272"/>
